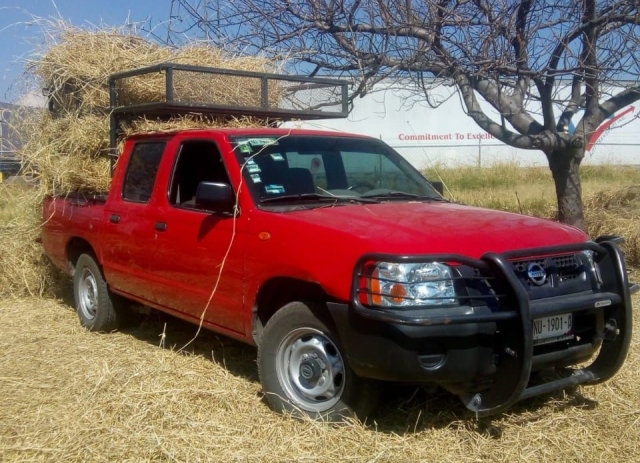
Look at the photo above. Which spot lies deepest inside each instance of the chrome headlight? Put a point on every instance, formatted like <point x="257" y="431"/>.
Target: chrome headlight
<point x="398" y="285"/>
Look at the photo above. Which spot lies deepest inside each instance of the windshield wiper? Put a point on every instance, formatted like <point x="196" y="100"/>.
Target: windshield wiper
<point x="316" y="197"/>
<point x="402" y="195"/>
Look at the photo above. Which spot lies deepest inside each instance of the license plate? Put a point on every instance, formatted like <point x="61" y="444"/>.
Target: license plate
<point x="552" y="327"/>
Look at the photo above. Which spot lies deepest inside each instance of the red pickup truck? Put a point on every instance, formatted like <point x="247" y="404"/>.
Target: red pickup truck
<point x="343" y="265"/>
<point x="332" y="255"/>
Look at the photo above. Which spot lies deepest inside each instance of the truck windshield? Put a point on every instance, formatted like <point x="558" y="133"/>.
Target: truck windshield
<point x="312" y="168"/>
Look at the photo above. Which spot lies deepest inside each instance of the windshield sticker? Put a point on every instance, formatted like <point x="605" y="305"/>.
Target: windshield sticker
<point x="274" y="189"/>
<point x="263" y="141"/>
<point x="253" y="168"/>
<point x="277" y="157"/>
<point x="256" y="178"/>
<point x="244" y="148"/>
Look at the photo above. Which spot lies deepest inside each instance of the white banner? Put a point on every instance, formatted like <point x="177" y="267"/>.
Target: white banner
<point x="446" y="135"/>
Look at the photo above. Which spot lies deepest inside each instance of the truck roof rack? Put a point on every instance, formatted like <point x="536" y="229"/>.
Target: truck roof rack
<point x="223" y="93"/>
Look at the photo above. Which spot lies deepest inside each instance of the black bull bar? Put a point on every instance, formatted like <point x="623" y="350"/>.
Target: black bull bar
<point x="513" y="372"/>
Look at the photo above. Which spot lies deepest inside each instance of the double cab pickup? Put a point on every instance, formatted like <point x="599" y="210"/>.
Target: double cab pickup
<point x="344" y="266"/>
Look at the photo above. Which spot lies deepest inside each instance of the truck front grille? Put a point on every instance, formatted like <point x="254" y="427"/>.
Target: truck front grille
<point x="552" y="276"/>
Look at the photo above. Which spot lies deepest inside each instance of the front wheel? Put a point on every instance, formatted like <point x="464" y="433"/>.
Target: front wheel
<point x="303" y="368"/>
<point x="94" y="302"/>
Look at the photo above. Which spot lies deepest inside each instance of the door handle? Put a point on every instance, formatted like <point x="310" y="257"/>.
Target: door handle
<point x="161" y="226"/>
<point x="115" y="218"/>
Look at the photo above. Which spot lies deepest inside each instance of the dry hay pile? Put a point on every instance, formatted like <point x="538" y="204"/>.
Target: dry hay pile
<point x="70" y="395"/>
<point x="24" y="269"/>
<point x="76" y="68"/>
<point x="617" y="213"/>
<point x="68" y="150"/>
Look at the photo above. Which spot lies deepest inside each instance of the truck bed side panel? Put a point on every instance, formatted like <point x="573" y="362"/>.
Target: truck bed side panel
<point x="66" y="219"/>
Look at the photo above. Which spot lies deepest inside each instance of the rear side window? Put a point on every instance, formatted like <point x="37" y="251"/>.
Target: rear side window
<point x="142" y="171"/>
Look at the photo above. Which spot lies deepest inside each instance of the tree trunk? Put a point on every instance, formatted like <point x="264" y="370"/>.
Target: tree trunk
<point x="565" y="167"/>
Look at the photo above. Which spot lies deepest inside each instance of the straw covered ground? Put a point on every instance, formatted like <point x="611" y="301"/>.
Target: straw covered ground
<point x="73" y="396"/>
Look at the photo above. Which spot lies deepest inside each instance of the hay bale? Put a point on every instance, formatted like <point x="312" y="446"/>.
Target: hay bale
<point x="200" y="87"/>
<point x="71" y="152"/>
<point x="68" y="150"/>
<point x="24" y="269"/>
<point x="76" y="67"/>
<point x="188" y="122"/>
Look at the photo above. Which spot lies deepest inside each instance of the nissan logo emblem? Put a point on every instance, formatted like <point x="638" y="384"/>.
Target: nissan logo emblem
<point x="536" y="274"/>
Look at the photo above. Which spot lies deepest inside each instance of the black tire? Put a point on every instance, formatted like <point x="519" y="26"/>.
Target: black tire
<point x="303" y="368"/>
<point x="94" y="302"/>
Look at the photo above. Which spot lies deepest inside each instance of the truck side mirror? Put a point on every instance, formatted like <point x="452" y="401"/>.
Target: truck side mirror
<point x="438" y="186"/>
<point x="213" y="196"/>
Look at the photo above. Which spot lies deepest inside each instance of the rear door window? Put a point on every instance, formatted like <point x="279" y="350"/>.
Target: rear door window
<point x="142" y="171"/>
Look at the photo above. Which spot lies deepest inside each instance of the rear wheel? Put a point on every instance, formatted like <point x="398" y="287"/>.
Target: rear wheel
<point x="94" y="303"/>
<point x="303" y="368"/>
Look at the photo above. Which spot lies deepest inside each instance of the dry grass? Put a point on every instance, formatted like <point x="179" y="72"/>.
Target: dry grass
<point x="617" y="212"/>
<point x="70" y="395"/>
<point x="188" y="122"/>
<point x="24" y="269"/>
<point x="530" y="190"/>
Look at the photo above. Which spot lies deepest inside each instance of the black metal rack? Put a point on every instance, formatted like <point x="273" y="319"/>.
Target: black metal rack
<point x="275" y="97"/>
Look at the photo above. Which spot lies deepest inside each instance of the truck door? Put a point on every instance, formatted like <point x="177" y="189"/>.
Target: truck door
<point x="128" y="235"/>
<point x="199" y="270"/>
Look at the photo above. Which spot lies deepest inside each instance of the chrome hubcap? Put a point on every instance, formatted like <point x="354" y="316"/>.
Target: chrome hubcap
<point x="88" y="294"/>
<point x="310" y="370"/>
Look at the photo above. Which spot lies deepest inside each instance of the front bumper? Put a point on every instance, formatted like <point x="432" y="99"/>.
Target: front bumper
<point x="486" y="355"/>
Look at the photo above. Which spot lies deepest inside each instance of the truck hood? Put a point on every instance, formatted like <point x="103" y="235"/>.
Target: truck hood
<point x="434" y="227"/>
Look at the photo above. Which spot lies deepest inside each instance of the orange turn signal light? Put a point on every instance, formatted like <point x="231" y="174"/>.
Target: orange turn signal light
<point x="375" y="291"/>
<point x="398" y="293"/>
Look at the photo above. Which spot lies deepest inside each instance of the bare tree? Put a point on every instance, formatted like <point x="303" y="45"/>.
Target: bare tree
<point x="565" y="54"/>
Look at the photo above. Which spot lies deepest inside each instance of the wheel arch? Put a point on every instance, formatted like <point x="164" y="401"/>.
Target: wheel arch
<point x="75" y="248"/>
<point x="279" y="291"/>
